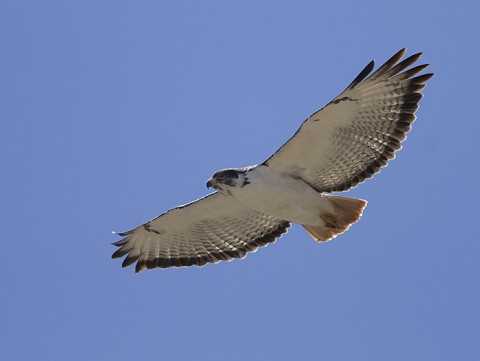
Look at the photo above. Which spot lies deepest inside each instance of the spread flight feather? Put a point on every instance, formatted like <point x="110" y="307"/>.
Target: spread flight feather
<point x="335" y="149"/>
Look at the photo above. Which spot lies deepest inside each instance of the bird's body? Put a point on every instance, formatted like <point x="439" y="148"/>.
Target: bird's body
<point x="335" y="149"/>
<point x="281" y="195"/>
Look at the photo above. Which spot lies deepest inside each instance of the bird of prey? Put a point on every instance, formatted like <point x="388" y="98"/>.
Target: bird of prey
<point x="335" y="149"/>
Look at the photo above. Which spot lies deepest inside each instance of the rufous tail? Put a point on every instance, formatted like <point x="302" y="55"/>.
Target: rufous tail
<point x="346" y="211"/>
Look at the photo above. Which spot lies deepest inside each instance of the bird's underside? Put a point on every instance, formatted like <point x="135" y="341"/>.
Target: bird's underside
<point x="335" y="149"/>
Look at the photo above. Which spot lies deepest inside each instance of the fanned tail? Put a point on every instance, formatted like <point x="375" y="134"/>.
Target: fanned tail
<point x="347" y="211"/>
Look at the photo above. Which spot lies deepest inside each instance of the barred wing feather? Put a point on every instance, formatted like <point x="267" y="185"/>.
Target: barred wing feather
<point x="212" y="229"/>
<point x="358" y="132"/>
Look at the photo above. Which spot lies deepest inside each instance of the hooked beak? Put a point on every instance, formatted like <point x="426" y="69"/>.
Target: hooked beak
<point x="211" y="182"/>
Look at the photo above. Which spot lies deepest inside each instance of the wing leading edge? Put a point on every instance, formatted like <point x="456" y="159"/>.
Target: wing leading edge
<point x="357" y="133"/>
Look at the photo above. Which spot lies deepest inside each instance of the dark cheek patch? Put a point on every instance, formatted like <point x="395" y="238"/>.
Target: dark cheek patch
<point x="230" y="174"/>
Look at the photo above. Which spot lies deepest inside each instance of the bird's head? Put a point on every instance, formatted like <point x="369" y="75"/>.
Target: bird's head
<point x="228" y="178"/>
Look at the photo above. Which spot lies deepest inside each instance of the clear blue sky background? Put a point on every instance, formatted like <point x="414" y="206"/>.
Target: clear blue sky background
<point x="112" y="112"/>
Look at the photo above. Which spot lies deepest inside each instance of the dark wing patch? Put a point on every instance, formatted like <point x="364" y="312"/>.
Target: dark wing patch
<point x="214" y="228"/>
<point x="357" y="133"/>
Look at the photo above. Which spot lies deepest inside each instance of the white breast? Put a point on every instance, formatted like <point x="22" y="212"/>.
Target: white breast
<point x="282" y="196"/>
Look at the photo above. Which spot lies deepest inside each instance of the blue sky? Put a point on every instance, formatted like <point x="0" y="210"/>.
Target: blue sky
<point x="112" y="112"/>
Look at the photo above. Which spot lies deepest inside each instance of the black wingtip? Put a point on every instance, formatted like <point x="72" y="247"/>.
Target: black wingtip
<point x="363" y="74"/>
<point x="121" y="252"/>
<point x="122" y="234"/>
<point x="120" y="243"/>
<point x="424" y="77"/>
<point x="389" y="63"/>
<point x="140" y="266"/>
<point x="398" y="55"/>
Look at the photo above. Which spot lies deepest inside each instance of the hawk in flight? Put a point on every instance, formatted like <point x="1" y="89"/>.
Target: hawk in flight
<point x="336" y="148"/>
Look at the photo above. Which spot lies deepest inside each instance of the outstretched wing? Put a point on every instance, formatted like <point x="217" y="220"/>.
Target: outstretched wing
<point x="211" y="229"/>
<point x="351" y="138"/>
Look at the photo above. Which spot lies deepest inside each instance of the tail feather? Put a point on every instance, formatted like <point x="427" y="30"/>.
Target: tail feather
<point x="346" y="211"/>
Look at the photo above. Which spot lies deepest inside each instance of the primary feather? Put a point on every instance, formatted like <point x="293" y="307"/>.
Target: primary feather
<point x="358" y="132"/>
<point x="336" y="148"/>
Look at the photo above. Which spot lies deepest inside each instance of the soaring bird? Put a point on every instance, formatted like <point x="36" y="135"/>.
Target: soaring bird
<point x="335" y="149"/>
